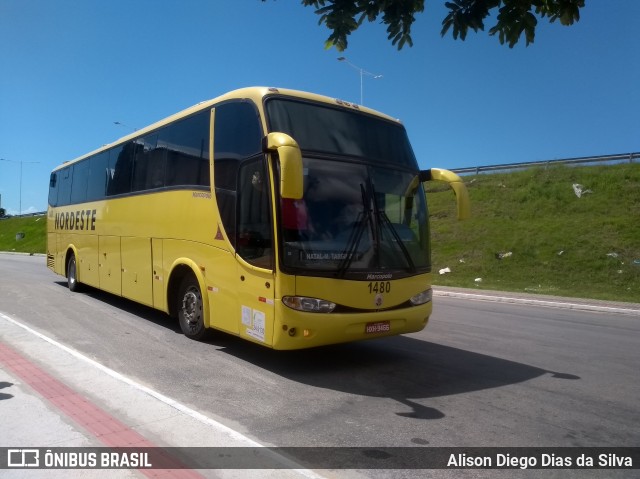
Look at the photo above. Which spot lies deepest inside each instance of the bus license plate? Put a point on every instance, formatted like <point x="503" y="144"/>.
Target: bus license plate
<point x="378" y="327"/>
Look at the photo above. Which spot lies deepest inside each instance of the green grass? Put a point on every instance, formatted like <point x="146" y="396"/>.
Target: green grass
<point x="559" y="243"/>
<point x="35" y="234"/>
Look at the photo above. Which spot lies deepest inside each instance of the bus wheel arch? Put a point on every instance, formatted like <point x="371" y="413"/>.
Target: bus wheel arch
<point x="187" y="300"/>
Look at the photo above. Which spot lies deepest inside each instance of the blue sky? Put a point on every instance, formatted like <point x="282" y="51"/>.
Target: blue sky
<point x="70" y="69"/>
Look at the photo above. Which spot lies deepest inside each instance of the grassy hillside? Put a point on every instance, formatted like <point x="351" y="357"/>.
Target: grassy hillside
<point x="35" y="234"/>
<point x="560" y="244"/>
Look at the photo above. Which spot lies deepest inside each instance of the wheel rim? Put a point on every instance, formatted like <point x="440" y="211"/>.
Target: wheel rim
<point x="191" y="307"/>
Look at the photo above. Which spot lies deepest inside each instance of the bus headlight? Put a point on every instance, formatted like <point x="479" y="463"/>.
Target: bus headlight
<point x="422" y="298"/>
<point x="309" y="305"/>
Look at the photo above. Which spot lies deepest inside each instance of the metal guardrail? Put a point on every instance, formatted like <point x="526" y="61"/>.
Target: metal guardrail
<point x="605" y="160"/>
<point x="24" y="215"/>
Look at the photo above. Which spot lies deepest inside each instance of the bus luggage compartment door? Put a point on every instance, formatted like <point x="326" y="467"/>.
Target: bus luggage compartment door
<point x="136" y="269"/>
<point x="109" y="264"/>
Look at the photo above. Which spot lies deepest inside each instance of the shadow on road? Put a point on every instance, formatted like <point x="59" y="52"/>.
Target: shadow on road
<point x="401" y="368"/>
<point x="145" y="312"/>
<point x="3" y="385"/>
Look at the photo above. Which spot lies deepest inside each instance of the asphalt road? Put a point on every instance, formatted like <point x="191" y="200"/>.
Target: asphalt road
<point x="481" y="373"/>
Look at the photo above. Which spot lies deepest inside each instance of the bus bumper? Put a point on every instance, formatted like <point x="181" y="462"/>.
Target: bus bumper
<point x="299" y="330"/>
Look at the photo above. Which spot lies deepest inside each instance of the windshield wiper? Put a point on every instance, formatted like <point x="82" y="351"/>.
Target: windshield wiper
<point x="384" y="219"/>
<point x="356" y="234"/>
<point x="366" y="216"/>
<point x="407" y="256"/>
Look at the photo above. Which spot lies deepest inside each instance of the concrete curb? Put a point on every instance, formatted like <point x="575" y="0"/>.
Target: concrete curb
<point x="577" y="304"/>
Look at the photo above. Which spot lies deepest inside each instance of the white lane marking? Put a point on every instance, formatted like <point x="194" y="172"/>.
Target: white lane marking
<point x="537" y="302"/>
<point x="289" y="464"/>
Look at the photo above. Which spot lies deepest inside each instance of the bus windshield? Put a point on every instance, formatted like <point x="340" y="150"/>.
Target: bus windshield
<point x="324" y="129"/>
<point x="362" y="211"/>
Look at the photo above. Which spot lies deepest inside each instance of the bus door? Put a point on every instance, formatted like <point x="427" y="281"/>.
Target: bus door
<point x="254" y="253"/>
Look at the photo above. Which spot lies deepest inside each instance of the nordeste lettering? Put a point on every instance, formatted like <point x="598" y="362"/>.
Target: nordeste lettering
<point x="80" y="220"/>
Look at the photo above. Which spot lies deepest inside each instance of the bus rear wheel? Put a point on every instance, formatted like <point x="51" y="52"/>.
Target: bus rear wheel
<point x="190" y="311"/>
<point x="72" y="274"/>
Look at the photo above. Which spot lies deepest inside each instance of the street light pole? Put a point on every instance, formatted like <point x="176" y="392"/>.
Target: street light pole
<point x="20" y="187"/>
<point x="362" y="72"/>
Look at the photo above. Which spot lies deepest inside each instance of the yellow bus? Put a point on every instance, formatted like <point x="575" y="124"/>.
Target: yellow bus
<point x="286" y="218"/>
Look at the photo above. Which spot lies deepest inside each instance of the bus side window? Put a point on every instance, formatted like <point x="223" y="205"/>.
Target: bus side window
<point x="64" y="186"/>
<point x="237" y="137"/>
<point x="145" y="167"/>
<point x="53" y="189"/>
<point x="98" y="176"/>
<point x="186" y="147"/>
<point x="121" y="164"/>
<point x="79" y="182"/>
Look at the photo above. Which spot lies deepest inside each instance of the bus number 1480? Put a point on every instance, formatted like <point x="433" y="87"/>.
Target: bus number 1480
<point x="380" y="287"/>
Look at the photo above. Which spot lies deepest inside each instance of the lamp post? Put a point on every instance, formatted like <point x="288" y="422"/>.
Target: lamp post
<point x="363" y="72"/>
<point x="19" y="161"/>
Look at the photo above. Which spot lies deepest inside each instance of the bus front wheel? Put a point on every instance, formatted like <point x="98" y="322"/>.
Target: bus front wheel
<point x="190" y="313"/>
<point x="72" y="274"/>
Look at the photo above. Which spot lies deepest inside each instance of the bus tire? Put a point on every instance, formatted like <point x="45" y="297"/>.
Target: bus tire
<point x="190" y="310"/>
<point x="72" y="274"/>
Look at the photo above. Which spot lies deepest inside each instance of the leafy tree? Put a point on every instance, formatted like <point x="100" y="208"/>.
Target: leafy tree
<point x="514" y="17"/>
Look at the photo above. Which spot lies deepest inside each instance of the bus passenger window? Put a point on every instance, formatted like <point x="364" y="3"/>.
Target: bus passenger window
<point x="98" y="176"/>
<point x="148" y="172"/>
<point x="53" y="189"/>
<point x="121" y="164"/>
<point x="79" y="182"/>
<point x="64" y="186"/>
<point x="185" y="146"/>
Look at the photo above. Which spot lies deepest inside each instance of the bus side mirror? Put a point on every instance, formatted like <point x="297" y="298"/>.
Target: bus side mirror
<point x="291" y="176"/>
<point x="456" y="184"/>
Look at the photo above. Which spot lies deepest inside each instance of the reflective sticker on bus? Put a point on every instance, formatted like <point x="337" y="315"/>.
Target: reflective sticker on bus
<point x="246" y="316"/>
<point x="257" y="327"/>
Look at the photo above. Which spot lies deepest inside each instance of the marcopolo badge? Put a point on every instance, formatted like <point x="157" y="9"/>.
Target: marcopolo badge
<point x="378" y="300"/>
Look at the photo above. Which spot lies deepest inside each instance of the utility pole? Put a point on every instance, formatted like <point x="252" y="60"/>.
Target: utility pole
<point x="19" y="161"/>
